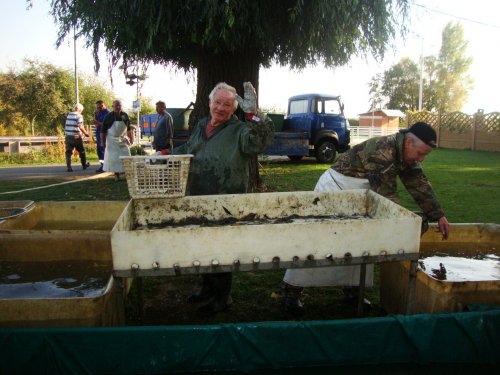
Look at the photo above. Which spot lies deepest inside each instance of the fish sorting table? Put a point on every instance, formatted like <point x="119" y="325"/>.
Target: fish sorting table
<point x="247" y="232"/>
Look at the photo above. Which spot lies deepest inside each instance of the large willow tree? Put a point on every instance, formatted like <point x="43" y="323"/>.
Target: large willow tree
<point x="229" y="40"/>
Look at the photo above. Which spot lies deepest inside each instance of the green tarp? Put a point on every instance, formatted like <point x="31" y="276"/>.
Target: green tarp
<point x="461" y="338"/>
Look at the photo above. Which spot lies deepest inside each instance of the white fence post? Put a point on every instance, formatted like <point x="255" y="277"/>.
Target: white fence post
<point x="362" y="133"/>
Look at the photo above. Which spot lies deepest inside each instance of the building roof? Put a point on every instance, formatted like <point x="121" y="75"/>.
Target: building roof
<point x="387" y="112"/>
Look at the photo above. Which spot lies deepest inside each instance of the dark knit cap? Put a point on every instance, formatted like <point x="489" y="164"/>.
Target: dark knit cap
<point x="424" y="132"/>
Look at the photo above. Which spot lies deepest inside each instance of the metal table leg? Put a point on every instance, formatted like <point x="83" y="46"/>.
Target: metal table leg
<point x="362" y="283"/>
<point x="411" y="286"/>
<point x="119" y="296"/>
<point x="140" y="298"/>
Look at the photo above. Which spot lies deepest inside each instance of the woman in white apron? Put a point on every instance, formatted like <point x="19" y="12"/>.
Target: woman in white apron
<point x="116" y="137"/>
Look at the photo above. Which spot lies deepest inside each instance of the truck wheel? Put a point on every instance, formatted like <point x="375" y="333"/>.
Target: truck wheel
<point x="326" y="152"/>
<point x="295" y="157"/>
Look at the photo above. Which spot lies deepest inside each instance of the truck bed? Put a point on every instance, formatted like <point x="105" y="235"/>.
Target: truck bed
<point x="289" y="143"/>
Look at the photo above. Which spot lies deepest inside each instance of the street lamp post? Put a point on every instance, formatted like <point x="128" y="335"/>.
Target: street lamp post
<point x="77" y="100"/>
<point x="134" y="79"/>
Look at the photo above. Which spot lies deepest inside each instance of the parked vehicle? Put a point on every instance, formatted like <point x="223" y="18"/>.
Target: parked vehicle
<point x="180" y="117"/>
<point x="315" y="125"/>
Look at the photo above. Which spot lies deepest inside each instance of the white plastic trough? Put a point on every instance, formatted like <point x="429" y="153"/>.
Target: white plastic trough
<point x="158" y="237"/>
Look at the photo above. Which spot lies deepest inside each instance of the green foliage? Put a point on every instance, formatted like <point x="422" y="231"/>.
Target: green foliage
<point x="453" y="81"/>
<point x="400" y="84"/>
<point x="147" y="107"/>
<point x="45" y="91"/>
<point x="137" y="150"/>
<point x="354" y="121"/>
<point x="49" y="154"/>
<point x="184" y="31"/>
<point x="36" y="99"/>
<point x="90" y="90"/>
<point x="229" y="40"/>
<point x="445" y="79"/>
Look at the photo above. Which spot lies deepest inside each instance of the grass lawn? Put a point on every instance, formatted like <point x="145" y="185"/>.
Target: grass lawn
<point x="466" y="183"/>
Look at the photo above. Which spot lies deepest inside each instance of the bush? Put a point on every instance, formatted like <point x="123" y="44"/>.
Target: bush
<point x="50" y="153"/>
<point x="137" y="150"/>
<point x="353" y="122"/>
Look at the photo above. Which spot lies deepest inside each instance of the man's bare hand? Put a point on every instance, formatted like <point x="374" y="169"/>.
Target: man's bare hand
<point x="444" y="227"/>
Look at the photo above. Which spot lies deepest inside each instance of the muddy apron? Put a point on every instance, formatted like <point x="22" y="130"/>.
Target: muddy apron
<point x="331" y="180"/>
<point x="116" y="145"/>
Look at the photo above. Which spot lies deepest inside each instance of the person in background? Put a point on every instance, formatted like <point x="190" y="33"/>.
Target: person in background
<point x="99" y="114"/>
<point x="116" y="137"/>
<point x="222" y="146"/>
<point x="163" y="133"/>
<point x="74" y="131"/>
<point x="374" y="164"/>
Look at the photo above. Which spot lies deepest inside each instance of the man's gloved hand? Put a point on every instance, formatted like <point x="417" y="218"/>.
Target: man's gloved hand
<point x="161" y="152"/>
<point x="249" y="103"/>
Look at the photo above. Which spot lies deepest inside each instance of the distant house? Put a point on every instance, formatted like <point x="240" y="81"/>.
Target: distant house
<point x="382" y="118"/>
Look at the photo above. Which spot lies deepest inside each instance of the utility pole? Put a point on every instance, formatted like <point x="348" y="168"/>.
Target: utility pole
<point x="77" y="100"/>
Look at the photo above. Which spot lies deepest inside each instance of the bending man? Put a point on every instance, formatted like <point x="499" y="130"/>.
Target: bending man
<point x="374" y="164"/>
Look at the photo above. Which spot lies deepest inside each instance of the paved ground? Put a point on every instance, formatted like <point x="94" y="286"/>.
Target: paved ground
<point x="59" y="171"/>
<point x="48" y="172"/>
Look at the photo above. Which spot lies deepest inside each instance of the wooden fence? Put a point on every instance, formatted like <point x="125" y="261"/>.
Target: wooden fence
<point x="454" y="130"/>
<point x="461" y="131"/>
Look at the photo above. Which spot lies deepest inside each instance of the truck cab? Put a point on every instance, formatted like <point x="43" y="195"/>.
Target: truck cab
<point x="315" y="125"/>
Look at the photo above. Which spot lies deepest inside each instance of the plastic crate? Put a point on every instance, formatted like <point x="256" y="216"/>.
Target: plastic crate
<point x="157" y="176"/>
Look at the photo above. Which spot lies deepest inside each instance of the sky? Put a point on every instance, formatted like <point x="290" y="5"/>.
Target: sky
<point x="32" y="34"/>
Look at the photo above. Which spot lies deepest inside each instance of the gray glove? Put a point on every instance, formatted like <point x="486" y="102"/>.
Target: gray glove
<point x="249" y="103"/>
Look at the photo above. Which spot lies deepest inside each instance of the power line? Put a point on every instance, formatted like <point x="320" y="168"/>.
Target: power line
<point x="458" y="17"/>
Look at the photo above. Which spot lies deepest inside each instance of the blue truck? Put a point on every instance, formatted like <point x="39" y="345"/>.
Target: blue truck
<point x="315" y="125"/>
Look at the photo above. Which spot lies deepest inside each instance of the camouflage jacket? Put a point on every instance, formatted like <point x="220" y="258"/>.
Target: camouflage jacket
<point x="380" y="160"/>
<point x="221" y="163"/>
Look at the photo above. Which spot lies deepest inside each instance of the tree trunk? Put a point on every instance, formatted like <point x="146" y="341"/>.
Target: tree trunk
<point x="234" y="69"/>
<point x="33" y="126"/>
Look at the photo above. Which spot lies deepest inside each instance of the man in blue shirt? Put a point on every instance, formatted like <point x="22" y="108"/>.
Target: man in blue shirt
<point x="99" y="114"/>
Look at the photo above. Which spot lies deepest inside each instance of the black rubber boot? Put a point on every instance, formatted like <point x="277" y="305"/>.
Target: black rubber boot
<point x="351" y="296"/>
<point x="205" y="293"/>
<point x="291" y="300"/>
<point x="221" y="300"/>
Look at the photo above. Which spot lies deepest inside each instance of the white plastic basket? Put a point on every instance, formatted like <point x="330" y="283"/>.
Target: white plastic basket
<point x="157" y="176"/>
